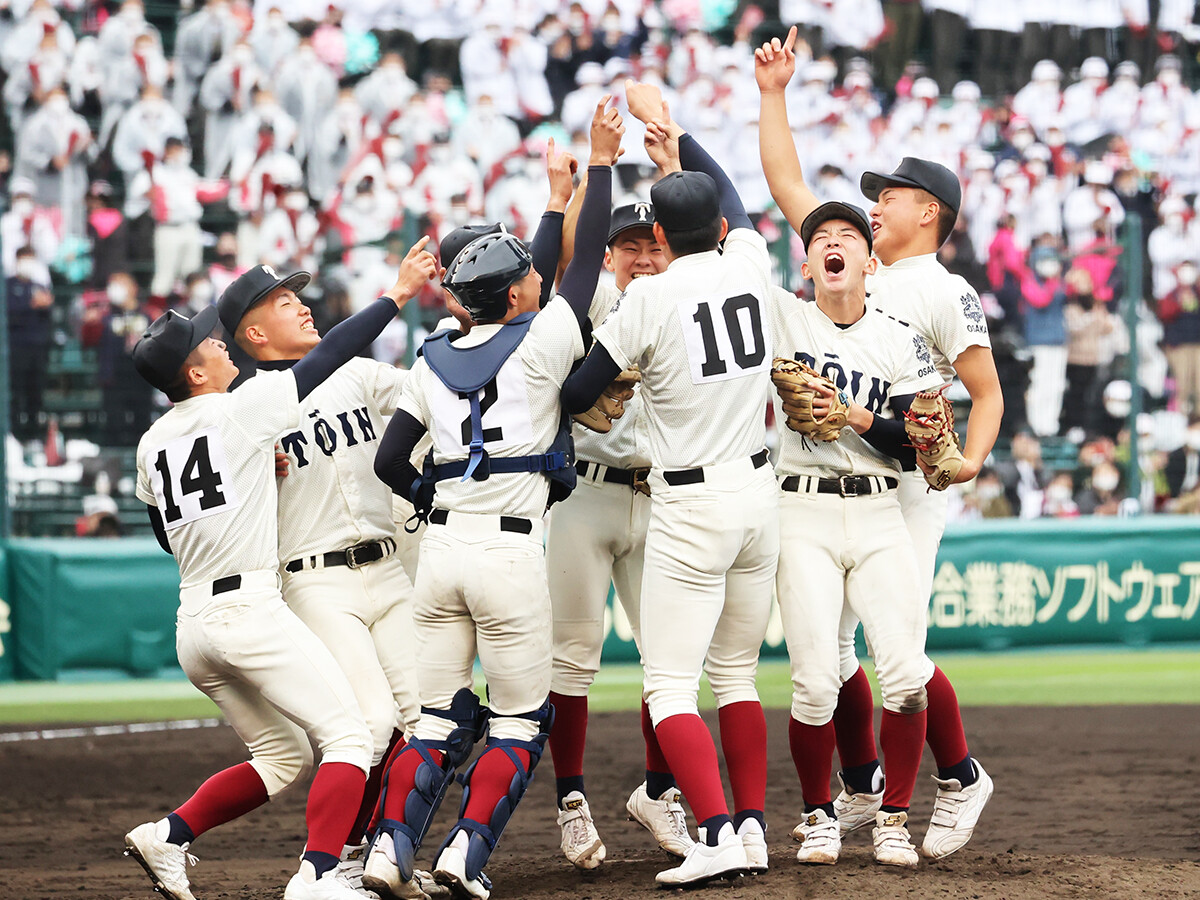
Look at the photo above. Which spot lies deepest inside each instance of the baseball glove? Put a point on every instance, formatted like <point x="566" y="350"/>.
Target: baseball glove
<point x="610" y="404"/>
<point x="929" y="423"/>
<point x="796" y="384"/>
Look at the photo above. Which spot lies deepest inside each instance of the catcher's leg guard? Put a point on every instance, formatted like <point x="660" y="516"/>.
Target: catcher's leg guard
<point x="483" y="836"/>
<point x="431" y="779"/>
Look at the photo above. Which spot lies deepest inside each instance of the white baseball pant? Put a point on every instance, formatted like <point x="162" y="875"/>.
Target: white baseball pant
<point x="364" y="617"/>
<point x="851" y="552"/>
<point x="596" y="536"/>
<point x="711" y="552"/>
<point x="481" y="590"/>
<point x="273" y="679"/>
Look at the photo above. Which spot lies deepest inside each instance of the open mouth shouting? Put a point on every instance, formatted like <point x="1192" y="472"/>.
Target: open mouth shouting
<point x="308" y="324"/>
<point x="835" y="263"/>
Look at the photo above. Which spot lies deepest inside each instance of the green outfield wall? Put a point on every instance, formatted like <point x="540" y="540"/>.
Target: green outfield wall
<point x="96" y="604"/>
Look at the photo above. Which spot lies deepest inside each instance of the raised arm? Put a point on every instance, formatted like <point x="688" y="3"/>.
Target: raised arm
<point x="547" y="242"/>
<point x="356" y="333"/>
<point x="694" y="159"/>
<point x="774" y="64"/>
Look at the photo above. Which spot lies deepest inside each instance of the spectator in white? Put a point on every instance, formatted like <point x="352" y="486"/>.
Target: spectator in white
<point x="579" y="105"/>
<point x="368" y="213"/>
<point x="1041" y="99"/>
<point x="175" y="193"/>
<point x="289" y="238"/>
<point x="831" y="183"/>
<point x="1167" y="97"/>
<point x="125" y="77"/>
<point x="1119" y="103"/>
<point x="447" y="174"/>
<point x="272" y="39"/>
<point x="265" y="128"/>
<point x="201" y="39"/>
<point x="485" y="66"/>
<point x="26" y="38"/>
<point x="28" y="86"/>
<point x="485" y="136"/>
<point x="85" y="77"/>
<point x="307" y="89"/>
<point x="142" y="133"/>
<point x="25" y="225"/>
<point x="965" y="113"/>
<point x="51" y="150"/>
<point x="915" y="110"/>
<point x="1043" y="213"/>
<point x="117" y="34"/>
<point x="691" y="57"/>
<point x="1082" y="102"/>
<point x="811" y="105"/>
<point x="337" y="143"/>
<point x="384" y="93"/>
<point x="854" y="26"/>
<point x="519" y="198"/>
<point x="226" y="92"/>
<point x="259" y="172"/>
<point x="526" y="56"/>
<point x="982" y="201"/>
<point x="385" y="160"/>
<point x="422" y="120"/>
<point x="1169" y="245"/>
<point x="1090" y="203"/>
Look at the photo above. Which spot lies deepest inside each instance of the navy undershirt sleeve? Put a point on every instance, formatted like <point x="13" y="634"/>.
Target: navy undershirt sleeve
<point x="160" y="531"/>
<point x="587" y="383"/>
<point x="578" y="285"/>
<point x="888" y="435"/>
<point x="544" y="248"/>
<point x="341" y="344"/>
<point x="693" y="158"/>
<point x="392" y="460"/>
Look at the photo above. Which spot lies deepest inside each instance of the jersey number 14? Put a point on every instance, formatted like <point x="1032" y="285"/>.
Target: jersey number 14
<point x="191" y="480"/>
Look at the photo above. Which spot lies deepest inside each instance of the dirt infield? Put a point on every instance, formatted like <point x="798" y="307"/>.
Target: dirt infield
<point x="1089" y="802"/>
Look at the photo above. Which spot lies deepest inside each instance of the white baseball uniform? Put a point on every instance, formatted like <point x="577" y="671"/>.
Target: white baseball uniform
<point x="208" y="466"/>
<point x="332" y="501"/>
<point x="597" y="536"/>
<point x="481" y="581"/>
<point x="845" y="545"/>
<point x="701" y="336"/>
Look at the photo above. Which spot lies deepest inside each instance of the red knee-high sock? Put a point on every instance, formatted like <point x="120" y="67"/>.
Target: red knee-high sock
<point x="490" y="780"/>
<point x="744" y="743"/>
<point x="223" y="797"/>
<point x="655" y="761"/>
<point x="902" y="739"/>
<point x="812" y="752"/>
<point x="692" y="756"/>
<point x="569" y="734"/>
<point x="945" y="731"/>
<point x="854" y="722"/>
<point x="370" y="800"/>
<point x="333" y="802"/>
<point x="402" y="775"/>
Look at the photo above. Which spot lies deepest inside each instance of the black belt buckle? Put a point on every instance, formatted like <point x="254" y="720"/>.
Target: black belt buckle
<point x="352" y="558"/>
<point x="641" y="481"/>
<point x="848" y="486"/>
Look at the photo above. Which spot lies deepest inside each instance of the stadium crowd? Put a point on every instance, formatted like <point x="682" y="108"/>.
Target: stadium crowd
<point x="158" y="153"/>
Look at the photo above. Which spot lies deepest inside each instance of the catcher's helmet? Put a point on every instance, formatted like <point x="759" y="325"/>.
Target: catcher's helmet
<point x="482" y="272"/>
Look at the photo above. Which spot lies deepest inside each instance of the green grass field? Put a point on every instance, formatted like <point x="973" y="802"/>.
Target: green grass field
<point x="1031" y="678"/>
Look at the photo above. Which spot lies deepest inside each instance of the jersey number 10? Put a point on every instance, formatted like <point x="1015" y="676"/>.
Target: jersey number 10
<point x="730" y="332"/>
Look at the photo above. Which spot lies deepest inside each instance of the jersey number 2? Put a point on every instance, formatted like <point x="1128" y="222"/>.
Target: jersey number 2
<point x="197" y="476"/>
<point x="490" y="395"/>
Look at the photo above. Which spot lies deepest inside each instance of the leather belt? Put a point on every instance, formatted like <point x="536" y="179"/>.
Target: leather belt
<point x="634" y="478"/>
<point x="352" y="557"/>
<point x="846" y="485"/>
<point x="695" y="476"/>
<point x="514" y="524"/>
<point x="226" y="584"/>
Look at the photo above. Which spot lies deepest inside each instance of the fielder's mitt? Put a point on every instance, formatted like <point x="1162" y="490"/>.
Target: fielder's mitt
<point x="929" y="423"/>
<point x="796" y="384"/>
<point x="610" y="404"/>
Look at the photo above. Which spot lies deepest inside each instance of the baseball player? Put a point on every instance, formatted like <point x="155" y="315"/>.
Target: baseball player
<point x="336" y="546"/>
<point x="501" y="449"/>
<point x="915" y="209"/>
<point x="206" y="471"/>
<point x="842" y="531"/>
<point x="700" y="336"/>
<point x="597" y="538"/>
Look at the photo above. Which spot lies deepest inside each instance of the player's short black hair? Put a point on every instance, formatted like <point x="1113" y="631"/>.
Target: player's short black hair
<point x="945" y="219"/>
<point x="694" y="240"/>
<point x="179" y="389"/>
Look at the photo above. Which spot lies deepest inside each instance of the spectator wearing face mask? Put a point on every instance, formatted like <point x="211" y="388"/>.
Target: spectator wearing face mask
<point x="142" y="133"/>
<point x="28" y="85"/>
<point x="289" y="238"/>
<point x="1179" y="312"/>
<point x="1103" y="495"/>
<point x="125" y="77"/>
<point x="51" y="152"/>
<point x="1169" y="245"/>
<point x="1060" y="498"/>
<point x="25" y="225"/>
<point x="197" y="294"/>
<point x="384" y="93"/>
<point x="202" y="38"/>
<point x="127" y="397"/>
<point x="226" y="93"/>
<point x="29" y="328"/>
<point x="1044" y="299"/>
<point x="1089" y="325"/>
<point x="108" y="233"/>
<point x="307" y="89"/>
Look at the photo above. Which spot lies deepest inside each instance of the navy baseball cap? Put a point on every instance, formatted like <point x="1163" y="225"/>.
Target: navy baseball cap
<point x="684" y="201"/>
<point x="916" y="173"/>
<point x="165" y="346"/>
<point x="250" y="287"/>
<point x="633" y="215"/>
<point x="834" y="210"/>
<point x="453" y="243"/>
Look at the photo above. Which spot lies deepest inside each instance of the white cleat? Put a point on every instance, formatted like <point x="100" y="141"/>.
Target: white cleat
<point x="855" y="811"/>
<point x="892" y="844"/>
<point x="664" y="818"/>
<point x="956" y="811"/>
<point x="754" y="842"/>
<point x="164" y="862"/>
<point x="704" y="863"/>
<point x="306" y="886"/>
<point x="381" y="874"/>
<point x="820" y="839"/>
<point x="451" y="871"/>
<point x="580" y="842"/>
<point x="349" y="869"/>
